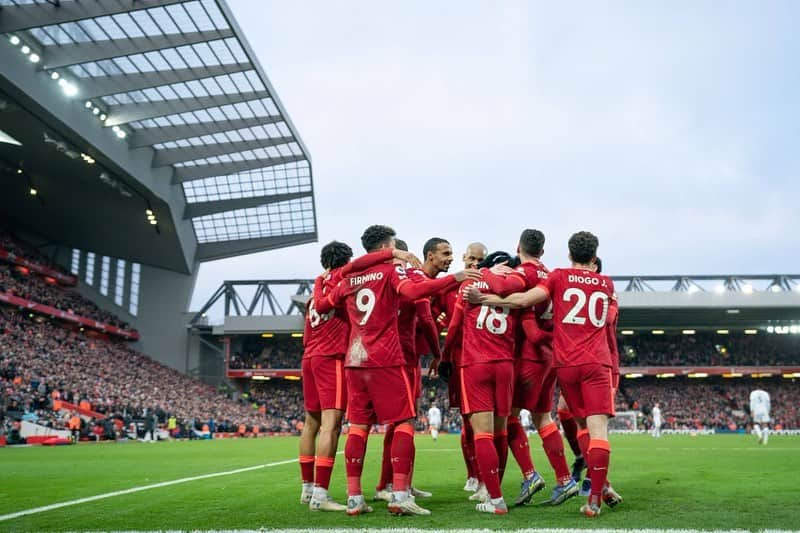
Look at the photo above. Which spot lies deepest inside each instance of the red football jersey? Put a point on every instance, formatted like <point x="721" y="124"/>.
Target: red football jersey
<point x="581" y="299"/>
<point x="611" y="333"/>
<point x="372" y="305"/>
<point x="534" y="274"/>
<point x="325" y="334"/>
<point x="488" y="332"/>
<point x="407" y="321"/>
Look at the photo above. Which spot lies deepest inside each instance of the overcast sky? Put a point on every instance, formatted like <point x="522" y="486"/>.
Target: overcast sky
<point x="670" y="131"/>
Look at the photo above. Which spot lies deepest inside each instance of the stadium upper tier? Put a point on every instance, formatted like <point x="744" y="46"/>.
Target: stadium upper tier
<point x="151" y="120"/>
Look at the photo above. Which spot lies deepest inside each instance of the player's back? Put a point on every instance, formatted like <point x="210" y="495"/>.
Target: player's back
<point x="533" y="274"/>
<point x="488" y="331"/>
<point x="581" y="300"/>
<point x="759" y="400"/>
<point x="327" y="333"/>
<point x="407" y="322"/>
<point x="372" y="305"/>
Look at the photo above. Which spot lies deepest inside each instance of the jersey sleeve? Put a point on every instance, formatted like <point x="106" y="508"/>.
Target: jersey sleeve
<point x="334" y="299"/>
<point x="428" y="325"/>
<point x="414" y="291"/>
<point x="504" y="285"/>
<point x="367" y="260"/>
<point x="550" y="283"/>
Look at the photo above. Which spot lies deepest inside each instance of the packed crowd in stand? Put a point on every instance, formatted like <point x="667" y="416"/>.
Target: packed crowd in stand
<point x="709" y="349"/>
<point x="41" y="360"/>
<point x="711" y="403"/>
<point x="18" y="248"/>
<point x="279" y="352"/>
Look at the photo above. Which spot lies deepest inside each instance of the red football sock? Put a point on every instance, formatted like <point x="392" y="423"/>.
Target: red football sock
<point x="402" y="456"/>
<point x="583" y="442"/>
<point x="520" y="448"/>
<point x="570" y="431"/>
<point x="501" y="445"/>
<point x="307" y="468"/>
<point x="599" y="456"/>
<point x="323" y="471"/>
<point x="354" y="451"/>
<point x="386" y="462"/>
<point x="468" y="448"/>
<point x="554" y="449"/>
<point x="488" y="463"/>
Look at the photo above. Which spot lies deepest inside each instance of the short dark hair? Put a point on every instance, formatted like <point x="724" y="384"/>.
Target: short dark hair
<point x="431" y="244"/>
<point x="599" y="264"/>
<point x="335" y="254"/>
<point x="531" y="242"/>
<point x="400" y="244"/>
<point x="495" y="258"/>
<point x="583" y="247"/>
<point x="376" y="235"/>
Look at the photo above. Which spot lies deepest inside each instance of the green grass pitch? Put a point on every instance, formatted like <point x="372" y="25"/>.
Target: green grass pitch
<point x="704" y="482"/>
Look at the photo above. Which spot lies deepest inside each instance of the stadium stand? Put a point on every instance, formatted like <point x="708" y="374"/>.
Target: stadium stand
<point x="709" y="403"/>
<point x="708" y="348"/>
<point x="42" y="360"/>
<point x="25" y="283"/>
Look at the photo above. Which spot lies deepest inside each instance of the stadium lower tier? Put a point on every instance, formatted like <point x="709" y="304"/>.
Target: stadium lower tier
<point x="45" y="365"/>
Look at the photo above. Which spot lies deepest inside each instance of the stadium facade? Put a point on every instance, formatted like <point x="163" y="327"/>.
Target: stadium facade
<point x="139" y="140"/>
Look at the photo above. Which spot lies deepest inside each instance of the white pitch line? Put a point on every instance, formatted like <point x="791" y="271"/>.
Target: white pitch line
<point x="37" y="510"/>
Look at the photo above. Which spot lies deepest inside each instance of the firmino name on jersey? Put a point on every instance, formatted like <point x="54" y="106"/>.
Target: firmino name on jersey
<point x="360" y="280"/>
<point x="481" y="285"/>
<point x="574" y="278"/>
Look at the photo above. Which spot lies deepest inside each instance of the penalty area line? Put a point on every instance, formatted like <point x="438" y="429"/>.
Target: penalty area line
<point x="133" y="490"/>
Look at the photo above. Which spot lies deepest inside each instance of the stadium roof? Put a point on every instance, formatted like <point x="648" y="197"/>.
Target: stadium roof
<point x="177" y="78"/>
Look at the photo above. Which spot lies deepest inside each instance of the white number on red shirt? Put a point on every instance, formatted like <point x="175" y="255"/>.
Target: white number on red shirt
<point x="572" y="316"/>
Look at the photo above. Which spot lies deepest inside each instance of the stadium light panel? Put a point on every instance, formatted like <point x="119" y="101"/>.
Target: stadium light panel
<point x="688" y="332"/>
<point x="722" y="332"/>
<point x="88" y="104"/>
<point x="667" y="375"/>
<point x="658" y="332"/>
<point x="54" y="75"/>
<point x="19" y="171"/>
<point x="103" y="116"/>
<point x="14" y="40"/>
<point x="34" y="58"/>
<point x="297" y="335"/>
<point x="747" y="289"/>
<point x="148" y="211"/>
<point x="69" y="89"/>
<point x="25" y="49"/>
<point x="751" y="332"/>
<point x="732" y="375"/>
<point x="698" y="375"/>
<point x="261" y="378"/>
<point x="792" y="375"/>
<point x="627" y="332"/>
<point x="34" y="192"/>
<point x="153" y="222"/>
<point x="761" y="375"/>
<point x="794" y="329"/>
<point x="267" y="335"/>
<point x="121" y="134"/>
<point x="775" y="288"/>
<point x="292" y="378"/>
<point x="96" y="111"/>
<point x="62" y="83"/>
<point x="633" y="376"/>
<point x="770" y="329"/>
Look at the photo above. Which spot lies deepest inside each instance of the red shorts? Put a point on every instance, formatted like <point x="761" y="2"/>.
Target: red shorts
<point x="587" y="389"/>
<point x="379" y="394"/>
<point x="534" y="385"/>
<point x="415" y="377"/>
<point x="487" y="387"/>
<point x="324" y="385"/>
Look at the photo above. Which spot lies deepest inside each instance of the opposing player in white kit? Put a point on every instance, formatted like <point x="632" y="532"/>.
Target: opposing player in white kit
<point x="525" y="420"/>
<point x="759" y="411"/>
<point x="434" y="421"/>
<point x="657" y="421"/>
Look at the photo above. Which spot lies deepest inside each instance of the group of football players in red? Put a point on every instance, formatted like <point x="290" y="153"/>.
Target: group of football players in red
<point x="513" y="330"/>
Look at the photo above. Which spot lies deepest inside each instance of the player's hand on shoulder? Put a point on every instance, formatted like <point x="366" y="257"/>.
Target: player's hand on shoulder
<point x="473" y="295"/>
<point x="408" y="257"/>
<point x="470" y="274"/>
<point x="501" y="269"/>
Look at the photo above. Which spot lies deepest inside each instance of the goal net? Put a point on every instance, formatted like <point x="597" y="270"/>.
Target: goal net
<point x="624" y="421"/>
